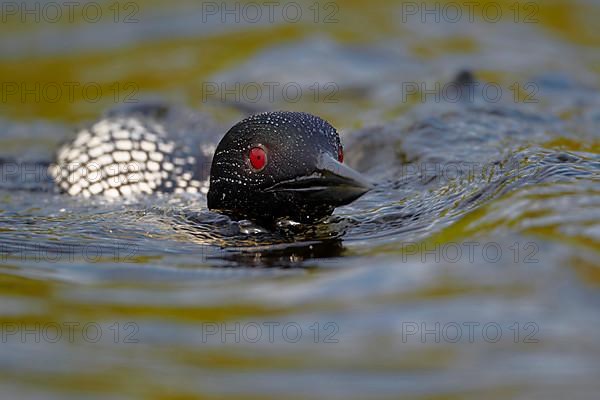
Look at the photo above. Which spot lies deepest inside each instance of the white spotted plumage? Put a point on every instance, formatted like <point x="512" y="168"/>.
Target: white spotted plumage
<point x="125" y="156"/>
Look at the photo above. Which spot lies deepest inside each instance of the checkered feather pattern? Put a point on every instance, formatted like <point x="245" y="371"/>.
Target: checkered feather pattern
<point x="128" y="155"/>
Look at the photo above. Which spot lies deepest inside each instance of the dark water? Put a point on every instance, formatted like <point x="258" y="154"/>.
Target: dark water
<point x="471" y="271"/>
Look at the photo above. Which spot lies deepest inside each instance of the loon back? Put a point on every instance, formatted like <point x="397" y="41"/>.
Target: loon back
<point x="133" y="150"/>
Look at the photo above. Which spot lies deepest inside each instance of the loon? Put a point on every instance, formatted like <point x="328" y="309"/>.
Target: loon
<point x="269" y="166"/>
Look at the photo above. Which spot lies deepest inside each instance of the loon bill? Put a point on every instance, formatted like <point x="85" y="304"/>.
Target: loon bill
<point x="268" y="166"/>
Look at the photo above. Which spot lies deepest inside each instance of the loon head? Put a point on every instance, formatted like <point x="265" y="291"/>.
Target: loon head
<point x="282" y="165"/>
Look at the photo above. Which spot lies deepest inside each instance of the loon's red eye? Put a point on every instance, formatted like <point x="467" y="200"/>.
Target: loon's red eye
<point x="258" y="158"/>
<point x="341" y="154"/>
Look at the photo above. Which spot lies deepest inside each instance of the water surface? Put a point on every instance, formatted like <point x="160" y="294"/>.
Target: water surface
<point x="471" y="271"/>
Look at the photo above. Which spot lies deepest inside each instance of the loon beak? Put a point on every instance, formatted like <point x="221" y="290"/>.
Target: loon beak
<point x="332" y="183"/>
